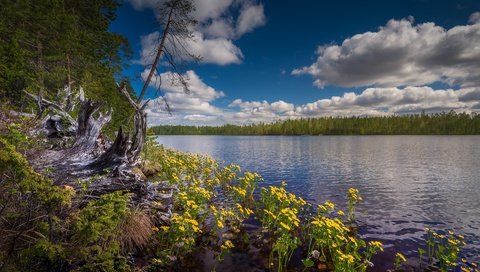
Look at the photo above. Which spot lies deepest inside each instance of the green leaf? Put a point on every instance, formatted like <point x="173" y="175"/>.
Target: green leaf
<point x="308" y="262"/>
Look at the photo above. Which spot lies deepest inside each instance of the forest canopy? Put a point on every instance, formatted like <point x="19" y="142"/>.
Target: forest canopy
<point x="45" y="45"/>
<point x="450" y="123"/>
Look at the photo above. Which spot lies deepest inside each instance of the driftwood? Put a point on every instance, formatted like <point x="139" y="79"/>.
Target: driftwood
<point x="81" y="161"/>
<point x="89" y="127"/>
<point x="125" y="150"/>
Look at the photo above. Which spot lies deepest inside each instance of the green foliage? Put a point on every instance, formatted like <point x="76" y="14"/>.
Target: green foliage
<point x="98" y="258"/>
<point x="450" y="123"/>
<point x="15" y="137"/>
<point x="44" y="256"/>
<point x="96" y="228"/>
<point x="29" y="204"/>
<point x="99" y="219"/>
<point x="43" y="44"/>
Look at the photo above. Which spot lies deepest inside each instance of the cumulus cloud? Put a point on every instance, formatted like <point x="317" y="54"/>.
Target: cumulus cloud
<point x="218" y="27"/>
<point x="278" y="106"/>
<point x="196" y="104"/>
<point x="218" y="51"/>
<point x="376" y="101"/>
<point x="251" y="17"/>
<point x="474" y="18"/>
<point x="393" y="100"/>
<point x="401" y="54"/>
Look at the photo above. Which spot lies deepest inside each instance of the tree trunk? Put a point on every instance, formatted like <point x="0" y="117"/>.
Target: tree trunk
<point x="125" y="151"/>
<point x="88" y="127"/>
<point x="138" y="139"/>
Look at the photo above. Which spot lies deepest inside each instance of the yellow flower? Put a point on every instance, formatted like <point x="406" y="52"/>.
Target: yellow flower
<point x="227" y="245"/>
<point x="376" y="244"/>
<point x="165" y="228"/>
<point x="213" y="208"/>
<point x="220" y="224"/>
<point x="330" y="205"/>
<point x="285" y="226"/>
<point x="400" y="257"/>
<point x="340" y="213"/>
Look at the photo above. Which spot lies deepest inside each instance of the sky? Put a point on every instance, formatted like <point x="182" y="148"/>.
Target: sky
<point x="270" y="60"/>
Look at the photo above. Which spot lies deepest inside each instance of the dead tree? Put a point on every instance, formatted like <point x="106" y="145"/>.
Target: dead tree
<point x="89" y="127"/>
<point x="86" y="128"/>
<point x="126" y="149"/>
<point x="176" y="22"/>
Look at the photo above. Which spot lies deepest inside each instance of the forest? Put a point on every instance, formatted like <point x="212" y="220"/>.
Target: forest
<point x="446" y="123"/>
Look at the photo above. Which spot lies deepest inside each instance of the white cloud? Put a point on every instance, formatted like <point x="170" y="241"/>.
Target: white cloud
<point x="199" y="118"/>
<point x="221" y="27"/>
<point x="278" y="106"/>
<point x="251" y="17"/>
<point x="401" y="54"/>
<point x="194" y="103"/>
<point x="213" y="37"/>
<point x="210" y="9"/>
<point x="386" y="101"/>
<point x="217" y="50"/>
<point x="474" y="18"/>
<point x="149" y="45"/>
<point x="371" y="102"/>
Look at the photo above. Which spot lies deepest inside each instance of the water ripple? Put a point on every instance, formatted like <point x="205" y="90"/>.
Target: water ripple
<point x="408" y="182"/>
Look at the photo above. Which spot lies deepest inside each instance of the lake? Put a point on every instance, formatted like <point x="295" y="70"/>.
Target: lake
<point x="407" y="182"/>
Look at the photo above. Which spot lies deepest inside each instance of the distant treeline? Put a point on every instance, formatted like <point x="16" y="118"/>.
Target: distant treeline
<point x="450" y="123"/>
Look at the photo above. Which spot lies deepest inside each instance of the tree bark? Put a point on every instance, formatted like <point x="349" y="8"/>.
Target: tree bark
<point x="88" y="127"/>
<point x="125" y="150"/>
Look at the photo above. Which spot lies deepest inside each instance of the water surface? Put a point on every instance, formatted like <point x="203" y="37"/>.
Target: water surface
<point x="408" y="182"/>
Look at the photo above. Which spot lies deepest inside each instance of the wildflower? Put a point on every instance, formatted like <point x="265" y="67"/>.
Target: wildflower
<point x="165" y="228"/>
<point x="400" y="257"/>
<point x="227" y="245"/>
<point x="285" y="226"/>
<point x="213" y="208"/>
<point x="220" y="224"/>
<point x="340" y="213"/>
<point x="330" y="205"/>
<point x="376" y="244"/>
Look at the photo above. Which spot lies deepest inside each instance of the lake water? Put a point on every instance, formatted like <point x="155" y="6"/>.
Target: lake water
<point x="407" y="182"/>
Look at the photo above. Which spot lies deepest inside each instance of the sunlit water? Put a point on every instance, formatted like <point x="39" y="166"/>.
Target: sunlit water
<point x="408" y="182"/>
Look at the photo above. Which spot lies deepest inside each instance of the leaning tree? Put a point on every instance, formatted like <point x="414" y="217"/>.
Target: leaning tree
<point x="172" y="49"/>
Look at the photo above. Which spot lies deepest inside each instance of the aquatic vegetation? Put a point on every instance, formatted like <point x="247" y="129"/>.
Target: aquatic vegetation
<point x="353" y="199"/>
<point x="336" y="243"/>
<point x="399" y="260"/>
<point x="443" y="250"/>
<point x="214" y="200"/>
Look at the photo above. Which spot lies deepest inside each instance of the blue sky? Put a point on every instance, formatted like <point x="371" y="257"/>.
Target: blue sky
<point x="261" y="59"/>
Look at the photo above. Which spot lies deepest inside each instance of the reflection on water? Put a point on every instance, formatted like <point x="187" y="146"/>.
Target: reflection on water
<point x="408" y="182"/>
